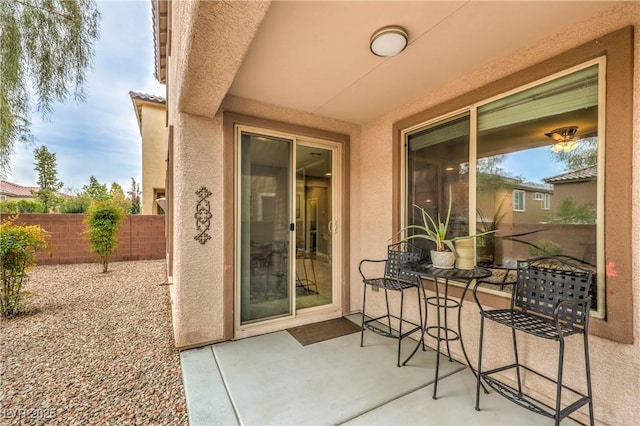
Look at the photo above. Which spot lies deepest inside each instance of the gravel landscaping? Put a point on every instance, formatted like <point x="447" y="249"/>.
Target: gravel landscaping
<point x="96" y="349"/>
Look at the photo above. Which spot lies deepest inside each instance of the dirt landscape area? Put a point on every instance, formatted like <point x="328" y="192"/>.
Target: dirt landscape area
<point x="94" y="349"/>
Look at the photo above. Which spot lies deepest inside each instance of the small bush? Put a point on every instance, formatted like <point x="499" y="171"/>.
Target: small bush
<point x="8" y="207"/>
<point x="26" y="206"/>
<point x="103" y="223"/>
<point x="544" y="248"/>
<point x="21" y="206"/>
<point x="18" y="247"/>
<point x="79" y="204"/>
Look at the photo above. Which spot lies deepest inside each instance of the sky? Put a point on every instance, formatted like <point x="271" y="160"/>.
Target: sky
<point x="100" y="137"/>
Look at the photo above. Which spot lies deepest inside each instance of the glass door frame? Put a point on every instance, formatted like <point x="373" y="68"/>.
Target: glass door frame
<point x="307" y="315"/>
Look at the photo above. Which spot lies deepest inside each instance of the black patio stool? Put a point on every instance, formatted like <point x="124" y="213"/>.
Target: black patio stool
<point x="393" y="280"/>
<point x="550" y="300"/>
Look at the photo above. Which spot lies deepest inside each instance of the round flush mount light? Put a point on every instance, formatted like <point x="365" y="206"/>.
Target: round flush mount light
<point x="389" y="41"/>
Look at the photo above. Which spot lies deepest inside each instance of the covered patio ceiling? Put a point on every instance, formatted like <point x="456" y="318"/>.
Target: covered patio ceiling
<point x="315" y="57"/>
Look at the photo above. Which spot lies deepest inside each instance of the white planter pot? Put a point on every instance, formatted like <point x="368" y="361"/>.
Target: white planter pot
<point x="443" y="259"/>
<point x="465" y="250"/>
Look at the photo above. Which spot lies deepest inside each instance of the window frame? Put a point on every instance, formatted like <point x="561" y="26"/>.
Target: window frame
<point x="546" y="201"/>
<point x="617" y="47"/>
<point x="522" y="199"/>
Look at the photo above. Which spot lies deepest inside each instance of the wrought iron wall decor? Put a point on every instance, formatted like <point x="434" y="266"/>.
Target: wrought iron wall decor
<point x="203" y="215"/>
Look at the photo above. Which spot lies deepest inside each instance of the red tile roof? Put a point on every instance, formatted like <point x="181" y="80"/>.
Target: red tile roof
<point x="15" y="190"/>
<point x="576" y="175"/>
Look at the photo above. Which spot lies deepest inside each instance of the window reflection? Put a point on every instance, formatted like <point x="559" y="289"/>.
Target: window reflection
<point x="438" y="160"/>
<point x="536" y="173"/>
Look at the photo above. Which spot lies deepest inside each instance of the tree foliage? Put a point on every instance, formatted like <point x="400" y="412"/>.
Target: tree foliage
<point x="46" y="47"/>
<point x="103" y="223"/>
<point x="48" y="181"/>
<point x="134" y="197"/>
<point x="570" y="212"/>
<point x="96" y="190"/>
<point x="76" y="204"/>
<point x="585" y="155"/>
<point x="117" y="196"/>
<point x="21" y="206"/>
<point x="18" y="247"/>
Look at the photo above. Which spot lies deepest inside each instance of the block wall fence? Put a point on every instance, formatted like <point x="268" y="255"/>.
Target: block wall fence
<point x="141" y="237"/>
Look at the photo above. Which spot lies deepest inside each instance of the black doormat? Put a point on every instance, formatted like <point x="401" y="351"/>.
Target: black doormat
<point x="321" y="331"/>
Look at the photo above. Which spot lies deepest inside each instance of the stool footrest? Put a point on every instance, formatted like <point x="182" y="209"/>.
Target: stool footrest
<point x="527" y="401"/>
<point x="385" y="331"/>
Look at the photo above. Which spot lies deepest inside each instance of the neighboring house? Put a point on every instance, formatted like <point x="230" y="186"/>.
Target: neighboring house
<point x="517" y="201"/>
<point x="13" y="192"/>
<point x="151" y="114"/>
<point x="284" y="129"/>
<point x="580" y="185"/>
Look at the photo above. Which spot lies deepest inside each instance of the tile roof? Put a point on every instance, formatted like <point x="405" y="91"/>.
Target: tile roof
<point x="575" y="175"/>
<point x="137" y="97"/>
<point x="146" y="97"/>
<point x="13" y="189"/>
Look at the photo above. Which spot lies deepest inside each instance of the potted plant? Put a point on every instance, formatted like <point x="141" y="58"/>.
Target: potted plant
<point x="489" y="252"/>
<point x="444" y="255"/>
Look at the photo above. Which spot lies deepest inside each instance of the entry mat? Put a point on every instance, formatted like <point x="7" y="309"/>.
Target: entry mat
<point x="321" y="331"/>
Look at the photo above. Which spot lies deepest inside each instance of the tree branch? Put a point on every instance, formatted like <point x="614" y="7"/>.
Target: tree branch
<point x="52" y="12"/>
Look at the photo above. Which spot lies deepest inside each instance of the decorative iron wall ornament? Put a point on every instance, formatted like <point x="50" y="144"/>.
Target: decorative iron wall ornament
<point x="203" y="215"/>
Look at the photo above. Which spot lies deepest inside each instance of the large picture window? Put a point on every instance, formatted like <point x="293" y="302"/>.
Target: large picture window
<point x="525" y="164"/>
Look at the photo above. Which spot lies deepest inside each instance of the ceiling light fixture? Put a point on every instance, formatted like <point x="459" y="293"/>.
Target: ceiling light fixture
<point x="564" y="138"/>
<point x="389" y="41"/>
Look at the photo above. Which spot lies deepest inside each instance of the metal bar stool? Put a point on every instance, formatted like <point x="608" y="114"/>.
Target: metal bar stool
<point x="394" y="279"/>
<point x="550" y="300"/>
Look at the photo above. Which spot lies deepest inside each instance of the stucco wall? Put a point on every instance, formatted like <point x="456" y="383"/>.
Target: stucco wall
<point x="615" y="367"/>
<point x="154" y="154"/>
<point x="199" y="269"/>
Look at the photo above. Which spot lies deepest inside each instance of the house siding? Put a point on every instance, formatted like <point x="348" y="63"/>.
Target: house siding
<point x="613" y="365"/>
<point x="154" y="153"/>
<point x="201" y="270"/>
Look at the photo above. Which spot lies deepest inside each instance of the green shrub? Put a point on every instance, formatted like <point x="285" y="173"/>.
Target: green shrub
<point x="18" y="247"/>
<point x="103" y="223"/>
<point x="8" y="207"/>
<point x="544" y="248"/>
<point x="21" y="206"/>
<point x="27" y="206"/>
<point x="79" y="204"/>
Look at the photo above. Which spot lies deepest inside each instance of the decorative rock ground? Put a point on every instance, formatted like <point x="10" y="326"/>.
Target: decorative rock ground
<point x="98" y="349"/>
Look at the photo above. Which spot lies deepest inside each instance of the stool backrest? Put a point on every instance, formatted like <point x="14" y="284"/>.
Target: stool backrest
<point x="398" y="254"/>
<point x="544" y="281"/>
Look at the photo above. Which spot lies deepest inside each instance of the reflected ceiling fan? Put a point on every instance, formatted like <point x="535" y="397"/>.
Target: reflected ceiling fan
<point x="565" y="138"/>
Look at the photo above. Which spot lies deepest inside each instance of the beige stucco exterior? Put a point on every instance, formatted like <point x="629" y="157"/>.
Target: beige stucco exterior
<point x="196" y="110"/>
<point x="151" y="114"/>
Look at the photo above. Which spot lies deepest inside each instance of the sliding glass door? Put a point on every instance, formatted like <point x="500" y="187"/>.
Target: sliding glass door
<point x="287" y="233"/>
<point x="265" y="235"/>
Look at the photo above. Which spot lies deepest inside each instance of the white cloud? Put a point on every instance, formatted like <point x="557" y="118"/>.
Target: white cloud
<point x="101" y="137"/>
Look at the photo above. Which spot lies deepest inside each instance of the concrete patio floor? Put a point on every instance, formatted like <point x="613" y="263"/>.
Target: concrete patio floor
<point x="272" y="379"/>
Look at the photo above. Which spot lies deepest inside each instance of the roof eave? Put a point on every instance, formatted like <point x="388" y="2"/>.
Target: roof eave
<point x="160" y="15"/>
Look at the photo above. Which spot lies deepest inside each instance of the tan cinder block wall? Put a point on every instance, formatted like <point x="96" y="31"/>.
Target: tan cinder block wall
<point x="615" y="367"/>
<point x="154" y="153"/>
<point x="140" y="238"/>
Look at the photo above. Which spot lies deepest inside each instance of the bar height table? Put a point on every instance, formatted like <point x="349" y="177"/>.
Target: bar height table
<point x="442" y="332"/>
